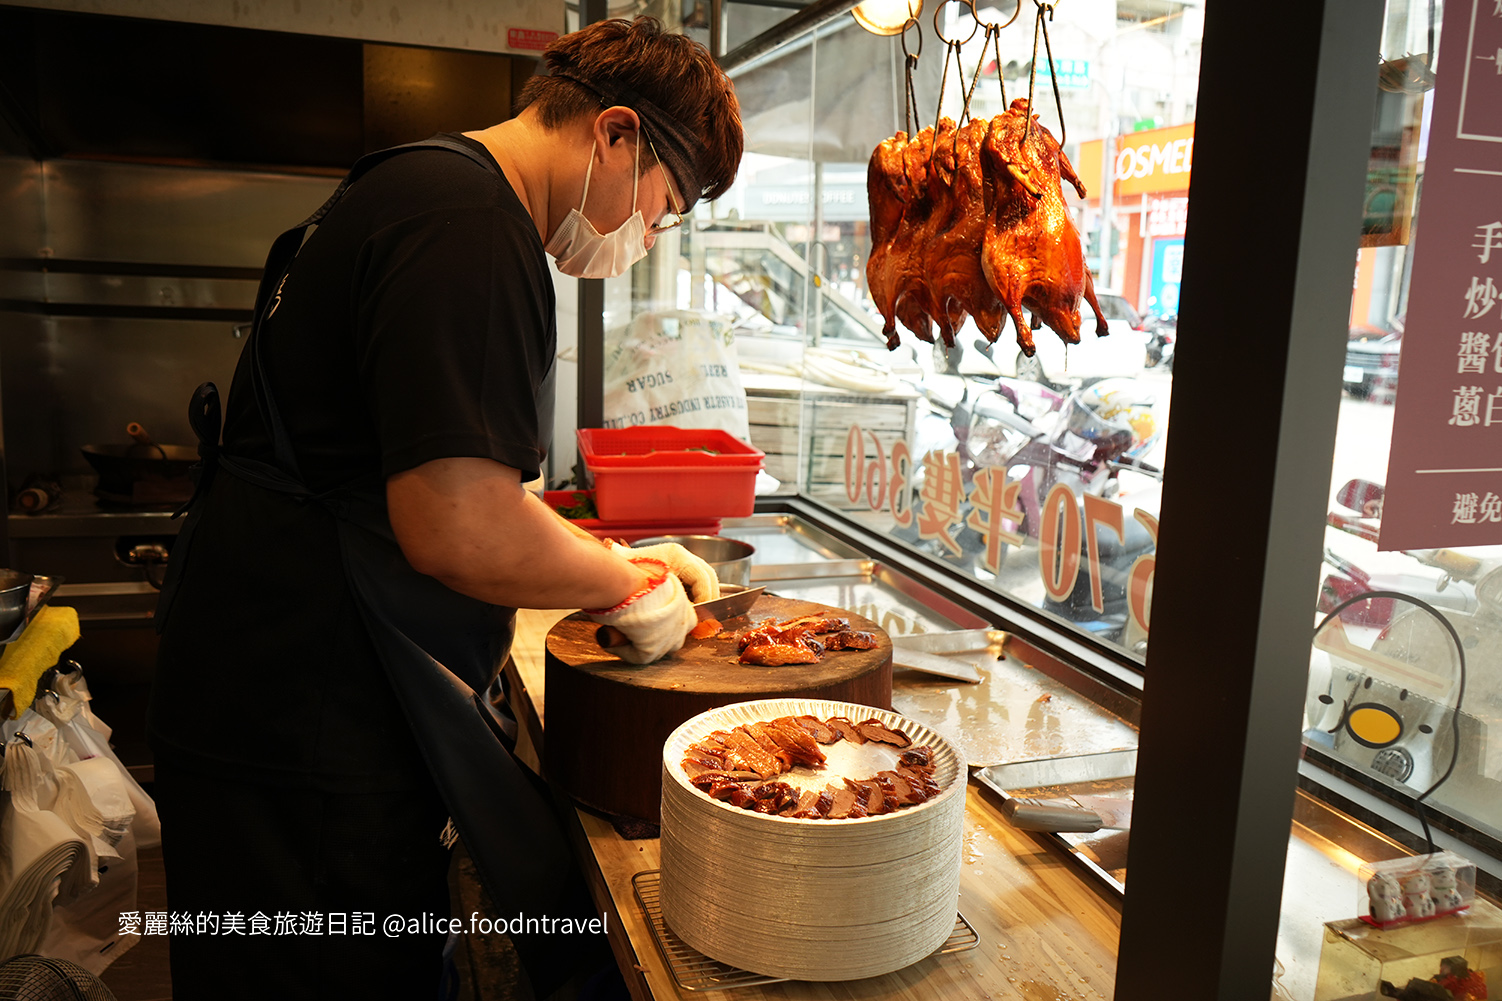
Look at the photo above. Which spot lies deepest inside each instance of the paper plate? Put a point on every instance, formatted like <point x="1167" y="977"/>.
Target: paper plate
<point x="812" y="899"/>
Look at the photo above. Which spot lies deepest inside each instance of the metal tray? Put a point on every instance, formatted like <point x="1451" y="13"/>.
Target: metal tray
<point x="1111" y="773"/>
<point x="694" y="971"/>
<point x="42" y="589"/>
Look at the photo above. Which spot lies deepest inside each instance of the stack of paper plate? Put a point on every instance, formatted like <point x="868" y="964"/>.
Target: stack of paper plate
<point x="812" y="899"/>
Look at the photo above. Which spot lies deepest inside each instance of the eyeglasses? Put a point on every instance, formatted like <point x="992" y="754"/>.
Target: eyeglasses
<point x="672" y="209"/>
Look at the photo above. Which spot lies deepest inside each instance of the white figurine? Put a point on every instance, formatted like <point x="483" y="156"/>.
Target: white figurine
<point x="1417" y="900"/>
<point x="1444" y="890"/>
<point x="1386" y="897"/>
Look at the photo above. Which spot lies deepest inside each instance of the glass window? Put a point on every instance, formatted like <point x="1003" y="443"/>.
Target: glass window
<point x="1028" y="463"/>
<point x="1390" y="653"/>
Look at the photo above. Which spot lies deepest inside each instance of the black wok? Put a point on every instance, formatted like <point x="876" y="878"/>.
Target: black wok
<point x="142" y="474"/>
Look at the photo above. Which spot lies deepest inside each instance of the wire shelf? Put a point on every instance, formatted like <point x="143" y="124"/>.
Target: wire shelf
<point x="694" y="971"/>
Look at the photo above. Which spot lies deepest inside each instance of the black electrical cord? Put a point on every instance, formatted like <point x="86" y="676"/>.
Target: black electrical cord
<point x="1418" y="803"/>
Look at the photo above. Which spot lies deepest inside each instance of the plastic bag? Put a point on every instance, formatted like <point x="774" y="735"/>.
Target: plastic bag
<point x="69" y="833"/>
<point x="88" y="736"/>
<point x="676" y="367"/>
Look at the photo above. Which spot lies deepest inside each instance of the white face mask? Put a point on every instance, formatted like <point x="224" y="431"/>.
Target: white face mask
<point x="579" y="248"/>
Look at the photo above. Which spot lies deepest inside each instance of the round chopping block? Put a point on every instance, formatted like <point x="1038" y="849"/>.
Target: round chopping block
<point x="607" y="720"/>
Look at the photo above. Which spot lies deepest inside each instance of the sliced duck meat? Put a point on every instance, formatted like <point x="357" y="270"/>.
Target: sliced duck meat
<point x="695" y="770"/>
<point x="773" y="797"/>
<point x="747" y="754"/>
<point x="846" y="805"/>
<point x="766" y="631"/>
<point x="899" y="791"/>
<point x="921" y="779"/>
<point x="803" y="806"/>
<point x="705" y="629"/>
<point x="761" y="733"/>
<point x="846" y="729"/>
<point x="850" y="639"/>
<point x="818" y="729"/>
<point x="818" y="624"/>
<point x="918" y="757"/>
<point x="795" y="742"/>
<point x="873" y="729"/>
<point x="776" y="654"/>
<point x="872" y="797"/>
<point x="741" y="797"/>
<point x="718" y="786"/>
<point x="709" y="757"/>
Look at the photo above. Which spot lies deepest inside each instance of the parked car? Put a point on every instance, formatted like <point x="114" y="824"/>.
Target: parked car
<point x="1124" y="351"/>
<point x="1371" y="371"/>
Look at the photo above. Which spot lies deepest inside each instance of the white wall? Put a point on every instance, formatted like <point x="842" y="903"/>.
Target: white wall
<point x="484" y="25"/>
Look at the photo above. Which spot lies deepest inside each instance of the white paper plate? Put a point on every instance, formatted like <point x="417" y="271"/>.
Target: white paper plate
<point x="812" y="899"/>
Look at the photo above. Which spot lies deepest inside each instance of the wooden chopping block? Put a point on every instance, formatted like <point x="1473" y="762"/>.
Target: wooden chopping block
<point x="607" y="720"/>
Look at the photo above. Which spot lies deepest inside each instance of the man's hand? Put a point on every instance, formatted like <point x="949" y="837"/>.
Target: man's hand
<point x="655" y="621"/>
<point x="698" y="577"/>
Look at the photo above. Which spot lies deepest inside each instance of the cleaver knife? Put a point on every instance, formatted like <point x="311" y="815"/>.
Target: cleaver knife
<point x="733" y="601"/>
<point x="1075" y="815"/>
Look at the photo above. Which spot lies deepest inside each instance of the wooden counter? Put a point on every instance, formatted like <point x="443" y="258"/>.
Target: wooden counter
<point x="1045" y="933"/>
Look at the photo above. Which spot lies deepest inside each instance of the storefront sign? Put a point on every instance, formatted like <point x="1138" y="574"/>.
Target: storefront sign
<point x="1165" y="217"/>
<point x="1072" y="74"/>
<point x="1445" y="468"/>
<point x="1168" y="273"/>
<point x="1156" y="160"/>
<point x="1068" y="530"/>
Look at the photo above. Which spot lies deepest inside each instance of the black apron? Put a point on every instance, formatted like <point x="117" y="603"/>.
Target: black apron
<point x="439" y="648"/>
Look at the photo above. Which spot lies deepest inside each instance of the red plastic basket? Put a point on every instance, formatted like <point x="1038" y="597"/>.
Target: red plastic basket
<point x="627" y="531"/>
<point x="668" y="473"/>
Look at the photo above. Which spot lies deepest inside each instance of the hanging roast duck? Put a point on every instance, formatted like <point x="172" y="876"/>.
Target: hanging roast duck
<point x="972" y="221"/>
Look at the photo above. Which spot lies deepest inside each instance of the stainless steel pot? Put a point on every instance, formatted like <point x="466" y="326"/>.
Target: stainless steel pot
<point x="731" y="558"/>
<point x="15" y="589"/>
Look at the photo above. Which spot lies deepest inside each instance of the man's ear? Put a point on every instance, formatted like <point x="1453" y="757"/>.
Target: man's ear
<point x="615" y="124"/>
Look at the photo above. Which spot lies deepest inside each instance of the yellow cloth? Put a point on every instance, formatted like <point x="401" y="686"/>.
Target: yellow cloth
<point x="54" y="629"/>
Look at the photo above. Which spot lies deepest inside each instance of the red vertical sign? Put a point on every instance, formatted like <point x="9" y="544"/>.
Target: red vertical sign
<point x="1445" y="471"/>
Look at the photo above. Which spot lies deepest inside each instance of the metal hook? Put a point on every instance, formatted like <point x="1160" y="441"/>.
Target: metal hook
<point x="912" y="22"/>
<point x="993" y="31"/>
<point x="950" y="49"/>
<point x="974" y="22"/>
<point x="1039" y="27"/>
<point x="910" y="105"/>
<point x="21" y="735"/>
<point x="1008" y="22"/>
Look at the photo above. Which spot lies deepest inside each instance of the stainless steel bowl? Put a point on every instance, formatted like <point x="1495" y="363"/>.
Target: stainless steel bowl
<point x="15" y="589"/>
<point x="731" y="558"/>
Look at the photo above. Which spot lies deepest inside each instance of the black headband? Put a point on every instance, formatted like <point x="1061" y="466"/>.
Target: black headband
<point x="675" y="145"/>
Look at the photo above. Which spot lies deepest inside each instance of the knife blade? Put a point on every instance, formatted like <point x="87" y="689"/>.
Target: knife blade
<point x="733" y="601"/>
<point x="945" y="667"/>
<point x="1077" y="815"/>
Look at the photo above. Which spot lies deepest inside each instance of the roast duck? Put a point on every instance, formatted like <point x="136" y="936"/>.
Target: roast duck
<point x="971" y="221"/>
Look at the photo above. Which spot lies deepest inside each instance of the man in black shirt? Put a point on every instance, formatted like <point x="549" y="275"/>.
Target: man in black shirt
<point x="362" y="537"/>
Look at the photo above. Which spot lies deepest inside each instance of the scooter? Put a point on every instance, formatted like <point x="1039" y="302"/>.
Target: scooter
<point x="1163" y="331"/>
<point x="1041" y="439"/>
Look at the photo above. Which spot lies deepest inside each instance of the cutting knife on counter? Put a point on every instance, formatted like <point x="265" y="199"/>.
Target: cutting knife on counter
<point x="921" y="652"/>
<point x="1075" y="815"/>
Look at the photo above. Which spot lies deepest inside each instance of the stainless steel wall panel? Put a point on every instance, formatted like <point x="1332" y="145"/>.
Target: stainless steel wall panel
<point x="138" y="290"/>
<point x="24" y="230"/>
<point x="72" y="381"/>
<point x="177" y="215"/>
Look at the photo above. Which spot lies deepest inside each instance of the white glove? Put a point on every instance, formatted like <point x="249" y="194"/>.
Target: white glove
<point x="698" y="577"/>
<point x="656" y="621"/>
